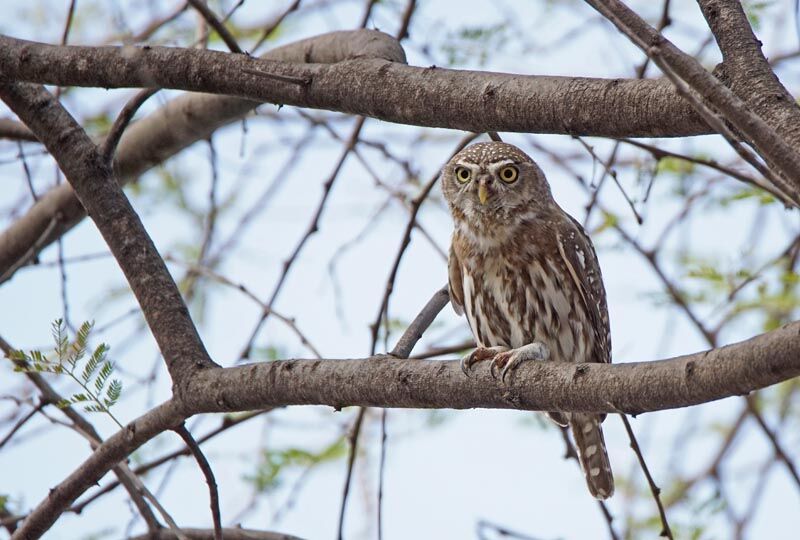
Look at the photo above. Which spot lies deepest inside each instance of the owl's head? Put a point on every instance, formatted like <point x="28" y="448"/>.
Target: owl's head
<point x="494" y="180"/>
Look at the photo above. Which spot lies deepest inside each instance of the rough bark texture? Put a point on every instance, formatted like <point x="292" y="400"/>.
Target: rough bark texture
<point x="390" y="382"/>
<point x="746" y="70"/>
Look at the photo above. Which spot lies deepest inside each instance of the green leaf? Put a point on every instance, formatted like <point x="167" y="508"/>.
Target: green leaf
<point x="94" y="361"/>
<point x="78" y="349"/>
<point x="95" y="408"/>
<point x="674" y="165"/>
<point x="113" y="393"/>
<point x="59" y="331"/>
<point x="274" y="462"/>
<point x="102" y="377"/>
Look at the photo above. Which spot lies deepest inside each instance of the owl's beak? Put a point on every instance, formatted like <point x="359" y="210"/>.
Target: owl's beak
<point x="483" y="191"/>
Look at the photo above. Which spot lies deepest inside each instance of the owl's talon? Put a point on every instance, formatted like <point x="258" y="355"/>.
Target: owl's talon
<point x="507" y="362"/>
<point x="478" y="355"/>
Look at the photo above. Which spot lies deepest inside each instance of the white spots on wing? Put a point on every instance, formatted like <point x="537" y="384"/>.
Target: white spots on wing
<point x="588" y="427"/>
<point x="602" y="492"/>
<point x="595" y="471"/>
<point x="468" y="285"/>
<point x="591" y="450"/>
<point x="581" y="257"/>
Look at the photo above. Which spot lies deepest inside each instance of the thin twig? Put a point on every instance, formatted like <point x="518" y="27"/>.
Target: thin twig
<point x="211" y="18"/>
<point x="351" y="458"/>
<point x="219" y="278"/>
<point x="68" y="24"/>
<point x="313" y="227"/>
<point x="21" y="422"/>
<point x="499" y="530"/>
<point x="773" y="439"/>
<point x="276" y="22"/>
<point x="381" y="471"/>
<point x="213" y="493"/>
<point x="416" y="203"/>
<point x="111" y="141"/>
<point x="227" y="423"/>
<point x="300" y="81"/>
<point x="26" y="170"/>
<point x="613" y="174"/>
<point x="654" y="489"/>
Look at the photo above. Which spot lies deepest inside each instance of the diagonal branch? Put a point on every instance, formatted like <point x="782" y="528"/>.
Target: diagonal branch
<point x="205" y="467"/>
<point x="746" y="70"/>
<point x="777" y="151"/>
<point x="91" y="178"/>
<point x="216" y="24"/>
<point x="115" y="449"/>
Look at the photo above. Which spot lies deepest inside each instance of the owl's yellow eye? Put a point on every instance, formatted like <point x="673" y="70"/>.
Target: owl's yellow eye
<point x="509" y="174"/>
<point x="463" y="174"/>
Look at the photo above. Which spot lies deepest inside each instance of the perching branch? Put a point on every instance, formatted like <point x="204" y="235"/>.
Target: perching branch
<point x="383" y="381"/>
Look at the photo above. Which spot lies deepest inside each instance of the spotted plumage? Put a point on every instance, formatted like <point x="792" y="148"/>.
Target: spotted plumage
<point x="524" y="272"/>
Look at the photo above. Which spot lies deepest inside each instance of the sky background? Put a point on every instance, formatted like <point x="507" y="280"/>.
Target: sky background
<point x="445" y="470"/>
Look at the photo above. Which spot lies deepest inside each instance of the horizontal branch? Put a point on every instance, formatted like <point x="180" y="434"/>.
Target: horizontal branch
<point x="164" y="133"/>
<point x="376" y="87"/>
<point x="385" y="381"/>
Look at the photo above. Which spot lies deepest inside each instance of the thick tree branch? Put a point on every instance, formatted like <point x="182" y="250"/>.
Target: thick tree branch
<point x="91" y="178"/>
<point x="387" y="90"/>
<point x="115" y="449"/>
<point x="746" y="70"/>
<point x="164" y="133"/>
<point x="777" y="151"/>
<point x="383" y="381"/>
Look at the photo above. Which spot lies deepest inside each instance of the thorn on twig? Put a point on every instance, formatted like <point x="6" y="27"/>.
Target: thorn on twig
<point x="300" y="81"/>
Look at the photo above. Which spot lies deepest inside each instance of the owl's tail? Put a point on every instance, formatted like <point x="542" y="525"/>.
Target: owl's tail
<point x="592" y="454"/>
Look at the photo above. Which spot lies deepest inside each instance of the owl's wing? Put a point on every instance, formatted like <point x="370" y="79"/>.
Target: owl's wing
<point x="454" y="280"/>
<point x="578" y="253"/>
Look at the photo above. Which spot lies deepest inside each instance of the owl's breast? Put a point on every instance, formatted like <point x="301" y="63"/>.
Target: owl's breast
<point x="513" y="299"/>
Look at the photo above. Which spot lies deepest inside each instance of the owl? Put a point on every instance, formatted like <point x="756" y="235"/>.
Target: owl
<point x="526" y="275"/>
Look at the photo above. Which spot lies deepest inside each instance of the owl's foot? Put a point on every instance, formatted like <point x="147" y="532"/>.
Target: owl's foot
<point x="479" y="354"/>
<point x="507" y="361"/>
